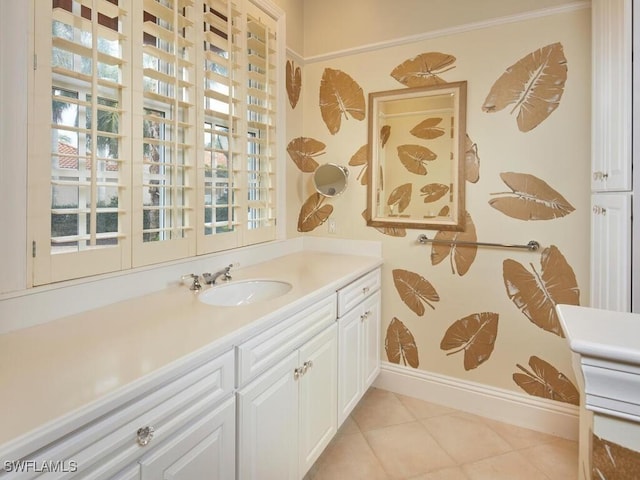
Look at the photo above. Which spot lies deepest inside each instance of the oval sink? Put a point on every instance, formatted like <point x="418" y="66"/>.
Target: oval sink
<point x="243" y="292"/>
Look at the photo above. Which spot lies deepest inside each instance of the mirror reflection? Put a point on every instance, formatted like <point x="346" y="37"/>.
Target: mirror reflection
<point x="416" y="149"/>
<point x="330" y="179"/>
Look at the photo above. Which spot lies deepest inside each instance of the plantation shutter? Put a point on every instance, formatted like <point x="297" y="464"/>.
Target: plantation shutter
<point x="160" y="125"/>
<point x="80" y="174"/>
<point x="261" y="97"/>
<point x="220" y="141"/>
<point x="164" y="124"/>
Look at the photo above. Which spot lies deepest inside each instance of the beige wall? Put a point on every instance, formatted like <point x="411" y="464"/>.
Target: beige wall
<point x="336" y="25"/>
<point x="557" y="151"/>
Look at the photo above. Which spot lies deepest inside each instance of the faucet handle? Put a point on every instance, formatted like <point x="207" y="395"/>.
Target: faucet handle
<point x="227" y="272"/>
<point x="195" y="286"/>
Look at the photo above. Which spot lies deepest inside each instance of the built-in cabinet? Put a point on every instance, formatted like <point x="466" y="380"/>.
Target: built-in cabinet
<point x="359" y="341"/>
<point x="265" y="408"/>
<point x="287" y="416"/>
<point x="611" y="180"/>
<point x="611" y="251"/>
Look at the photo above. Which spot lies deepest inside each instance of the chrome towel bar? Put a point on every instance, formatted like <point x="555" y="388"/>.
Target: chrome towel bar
<point x="532" y="245"/>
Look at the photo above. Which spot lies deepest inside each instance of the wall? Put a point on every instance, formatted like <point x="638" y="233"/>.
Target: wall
<point x="13" y="144"/>
<point x="556" y="151"/>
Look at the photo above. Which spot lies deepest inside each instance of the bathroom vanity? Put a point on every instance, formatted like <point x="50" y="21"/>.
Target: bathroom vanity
<point x="606" y="347"/>
<point x="167" y="386"/>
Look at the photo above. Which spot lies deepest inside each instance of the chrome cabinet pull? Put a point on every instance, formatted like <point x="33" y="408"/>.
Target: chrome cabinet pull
<point x="600" y="175"/>
<point x="306" y="366"/>
<point x="365" y="290"/>
<point x="144" y="435"/>
<point x="297" y="373"/>
<point x="598" y="210"/>
<point x="365" y="315"/>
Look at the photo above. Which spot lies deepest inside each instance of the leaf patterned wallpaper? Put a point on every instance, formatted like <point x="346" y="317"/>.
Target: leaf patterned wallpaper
<point x="480" y="314"/>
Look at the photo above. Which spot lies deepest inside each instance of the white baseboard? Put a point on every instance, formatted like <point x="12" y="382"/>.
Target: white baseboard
<point x="518" y="409"/>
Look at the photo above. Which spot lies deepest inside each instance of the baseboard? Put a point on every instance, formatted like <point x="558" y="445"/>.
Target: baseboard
<point x="523" y="410"/>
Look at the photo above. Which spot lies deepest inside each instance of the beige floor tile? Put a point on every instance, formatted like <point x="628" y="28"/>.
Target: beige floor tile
<point x="407" y="450"/>
<point x="465" y="437"/>
<point x="380" y="408"/>
<point x="451" y="473"/>
<point x="349" y="457"/>
<point x="421" y="409"/>
<point x="509" y="466"/>
<point x="349" y="426"/>
<point x="519" y="437"/>
<point x="557" y="459"/>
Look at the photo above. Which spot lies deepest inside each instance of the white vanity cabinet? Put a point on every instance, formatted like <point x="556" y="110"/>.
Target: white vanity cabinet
<point x="287" y="415"/>
<point x="202" y="450"/>
<point x="358" y="340"/>
<point x="175" y="418"/>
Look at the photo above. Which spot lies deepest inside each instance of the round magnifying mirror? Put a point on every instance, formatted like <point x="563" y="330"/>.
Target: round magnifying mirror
<point x="330" y="179"/>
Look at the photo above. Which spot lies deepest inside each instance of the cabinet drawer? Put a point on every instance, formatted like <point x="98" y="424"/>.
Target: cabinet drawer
<point x="101" y="448"/>
<point x="267" y="348"/>
<point x="356" y="291"/>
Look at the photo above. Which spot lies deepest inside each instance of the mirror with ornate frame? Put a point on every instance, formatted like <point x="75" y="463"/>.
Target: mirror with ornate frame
<point x="416" y="157"/>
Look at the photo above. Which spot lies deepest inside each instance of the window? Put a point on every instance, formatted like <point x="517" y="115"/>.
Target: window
<point x="162" y="131"/>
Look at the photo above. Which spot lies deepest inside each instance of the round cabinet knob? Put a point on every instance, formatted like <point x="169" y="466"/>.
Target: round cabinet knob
<point x="144" y="435"/>
<point x="365" y="290"/>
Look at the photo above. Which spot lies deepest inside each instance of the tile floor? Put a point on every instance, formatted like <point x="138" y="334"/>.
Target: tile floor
<point x="391" y="436"/>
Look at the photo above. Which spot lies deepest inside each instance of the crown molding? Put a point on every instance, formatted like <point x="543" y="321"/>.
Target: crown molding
<point x="468" y="27"/>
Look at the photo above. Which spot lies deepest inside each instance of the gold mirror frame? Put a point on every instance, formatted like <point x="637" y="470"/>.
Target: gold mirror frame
<point x="412" y="161"/>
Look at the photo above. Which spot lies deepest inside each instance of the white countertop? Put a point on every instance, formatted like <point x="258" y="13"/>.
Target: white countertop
<point x="604" y="334"/>
<point x="53" y="370"/>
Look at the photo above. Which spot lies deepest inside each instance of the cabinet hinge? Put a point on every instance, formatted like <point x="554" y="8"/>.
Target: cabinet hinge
<point x="33" y="249"/>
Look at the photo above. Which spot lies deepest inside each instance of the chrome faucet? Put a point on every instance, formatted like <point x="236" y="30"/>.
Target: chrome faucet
<point x="210" y="278"/>
<point x="196" y="286"/>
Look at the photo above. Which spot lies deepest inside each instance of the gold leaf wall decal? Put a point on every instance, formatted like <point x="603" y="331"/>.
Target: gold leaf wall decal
<point x="423" y="70"/>
<point x="414" y="290"/>
<point x="414" y="158"/>
<point x="433" y="192"/>
<point x="400" y="344"/>
<point x="471" y="161"/>
<point x="530" y="199"/>
<point x="400" y="196"/>
<point x="391" y="231"/>
<point x="475" y="335"/>
<point x="546" y="381"/>
<point x="612" y="461"/>
<point x="537" y="294"/>
<point x="313" y="213"/>
<point x="534" y="85"/>
<point x="428" y="129"/>
<point x="461" y="257"/>
<point x="444" y="211"/>
<point x="385" y="133"/>
<point x="361" y="158"/>
<point x="302" y="150"/>
<point x="294" y="83"/>
<point x="340" y="95"/>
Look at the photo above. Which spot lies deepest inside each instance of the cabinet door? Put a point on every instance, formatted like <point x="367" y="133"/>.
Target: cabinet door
<point x="370" y="340"/>
<point x="350" y="363"/>
<point x="202" y="451"/>
<point x="612" y="95"/>
<point x="268" y="424"/>
<point x="611" y="251"/>
<point x="318" y="395"/>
